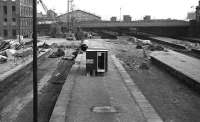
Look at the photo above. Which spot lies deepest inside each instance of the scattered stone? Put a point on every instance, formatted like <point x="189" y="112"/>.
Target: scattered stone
<point x="45" y="46"/>
<point x="132" y="39"/>
<point x="3" y="59"/>
<point x="156" y="48"/>
<point x="144" y="66"/>
<point x="4" y="45"/>
<point x="3" y="53"/>
<point x="59" y="53"/>
<point x="54" y="45"/>
<point x="139" y="47"/>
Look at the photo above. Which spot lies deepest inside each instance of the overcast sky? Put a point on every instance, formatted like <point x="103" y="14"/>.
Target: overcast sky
<point x="158" y="9"/>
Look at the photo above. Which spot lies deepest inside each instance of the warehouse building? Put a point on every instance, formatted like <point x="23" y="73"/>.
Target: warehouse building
<point x="15" y="15"/>
<point x="78" y="16"/>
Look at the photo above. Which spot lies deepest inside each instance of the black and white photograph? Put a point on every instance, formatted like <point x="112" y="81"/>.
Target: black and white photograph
<point x="99" y="60"/>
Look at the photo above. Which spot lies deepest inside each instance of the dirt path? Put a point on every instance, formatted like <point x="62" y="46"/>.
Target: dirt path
<point x="16" y="102"/>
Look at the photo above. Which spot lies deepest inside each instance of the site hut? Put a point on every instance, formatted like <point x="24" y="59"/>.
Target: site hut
<point x="96" y="61"/>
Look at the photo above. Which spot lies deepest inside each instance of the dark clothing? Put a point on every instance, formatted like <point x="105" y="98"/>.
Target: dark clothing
<point x="79" y="35"/>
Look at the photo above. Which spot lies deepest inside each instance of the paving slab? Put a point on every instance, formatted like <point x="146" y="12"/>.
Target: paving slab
<point x="185" y="65"/>
<point x="81" y="94"/>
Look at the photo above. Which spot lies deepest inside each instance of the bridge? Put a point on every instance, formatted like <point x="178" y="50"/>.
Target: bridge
<point x="157" y="27"/>
<point x="170" y="28"/>
<point x="151" y="23"/>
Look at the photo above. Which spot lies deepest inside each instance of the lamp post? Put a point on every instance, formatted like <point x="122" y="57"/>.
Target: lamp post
<point x="19" y="23"/>
<point x="35" y="94"/>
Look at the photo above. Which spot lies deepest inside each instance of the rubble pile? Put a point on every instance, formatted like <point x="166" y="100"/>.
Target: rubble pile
<point x="58" y="53"/>
<point x="144" y="66"/>
<point x="132" y="39"/>
<point x="3" y="59"/>
<point x="44" y="46"/>
<point x="4" y="45"/>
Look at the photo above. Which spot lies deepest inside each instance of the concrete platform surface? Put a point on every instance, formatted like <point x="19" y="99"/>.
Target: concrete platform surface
<point x="186" y="65"/>
<point x="81" y="94"/>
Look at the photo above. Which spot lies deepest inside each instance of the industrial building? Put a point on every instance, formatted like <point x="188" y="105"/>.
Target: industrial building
<point x="127" y="18"/>
<point x="113" y="19"/>
<point x="147" y="18"/>
<point x="198" y="12"/>
<point x="191" y="16"/>
<point x="15" y="15"/>
<point x="78" y="16"/>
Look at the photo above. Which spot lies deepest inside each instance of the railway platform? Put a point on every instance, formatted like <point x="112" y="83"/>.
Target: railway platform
<point x="113" y="97"/>
<point x="182" y="66"/>
<point x="169" y="41"/>
<point x="191" y="39"/>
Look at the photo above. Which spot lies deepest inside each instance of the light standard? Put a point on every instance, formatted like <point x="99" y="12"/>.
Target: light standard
<point x="19" y="22"/>
<point x="35" y="94"/>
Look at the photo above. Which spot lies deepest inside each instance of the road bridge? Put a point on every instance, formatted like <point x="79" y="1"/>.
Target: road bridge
<point x="152" y="23"/>
<point x="171" y="28"/>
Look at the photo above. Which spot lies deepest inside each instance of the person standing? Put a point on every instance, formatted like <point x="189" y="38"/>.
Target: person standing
<point x="80" y="35"/>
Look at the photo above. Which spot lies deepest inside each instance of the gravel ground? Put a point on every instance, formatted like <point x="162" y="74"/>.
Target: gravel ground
<point x="16" y="91"/>
<point x="172" y="99"/>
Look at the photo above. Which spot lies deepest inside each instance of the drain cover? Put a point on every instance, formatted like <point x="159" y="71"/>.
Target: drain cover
<point x="104" y="109"/>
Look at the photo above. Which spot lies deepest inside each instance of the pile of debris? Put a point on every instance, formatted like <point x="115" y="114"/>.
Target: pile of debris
<point x="132" y="39"/>
<point x="58" y="53"/>
<point x="4" y="45"/>
<point x="13" y="49"/>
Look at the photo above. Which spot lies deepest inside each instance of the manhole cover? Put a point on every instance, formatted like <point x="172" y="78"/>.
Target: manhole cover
<point x="104" y="109"/>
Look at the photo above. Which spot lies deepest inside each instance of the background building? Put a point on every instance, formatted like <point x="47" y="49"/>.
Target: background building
<point x="113" y="19"/>
<point x="49" y="17"/>
<point x="198" y="12"/>
<point x="8" y="19"/>
<point x="147" y="18"/>
<point x="191" y="16"/>
<point x="78" y="16"/>
<point x="15" y="15"/>
<point x="127" y="18"/>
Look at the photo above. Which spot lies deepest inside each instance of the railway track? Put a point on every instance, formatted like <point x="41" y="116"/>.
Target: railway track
<point x="180" y="46"/>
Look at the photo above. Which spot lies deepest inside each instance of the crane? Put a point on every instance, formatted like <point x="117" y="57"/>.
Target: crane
<point x="55" y="27"/>
<point x="44" y="6"/>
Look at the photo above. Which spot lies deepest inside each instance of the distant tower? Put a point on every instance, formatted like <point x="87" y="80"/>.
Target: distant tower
<point x="69" y="16"/>
<point x="120" y="14"/>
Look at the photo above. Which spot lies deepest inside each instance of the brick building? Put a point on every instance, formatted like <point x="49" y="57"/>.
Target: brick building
<point x="14" y="13"/>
